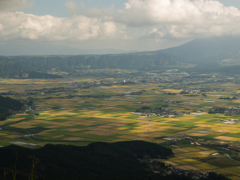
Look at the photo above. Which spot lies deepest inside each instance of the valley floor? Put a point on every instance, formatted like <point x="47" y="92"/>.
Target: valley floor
<point x="63" y="112"/>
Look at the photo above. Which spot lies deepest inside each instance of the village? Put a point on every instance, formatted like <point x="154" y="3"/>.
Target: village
<point x="163" y="112"/>
<point x="165" y="170"/>
<point x="229" y="111"/>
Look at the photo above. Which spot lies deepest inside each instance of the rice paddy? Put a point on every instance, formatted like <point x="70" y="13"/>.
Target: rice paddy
<point x="81" y="120"/>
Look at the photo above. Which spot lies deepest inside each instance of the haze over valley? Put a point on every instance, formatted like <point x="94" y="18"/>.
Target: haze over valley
<point x="127" y="89"/>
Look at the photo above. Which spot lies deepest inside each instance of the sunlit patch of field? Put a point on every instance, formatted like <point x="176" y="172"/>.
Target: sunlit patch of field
<point x="170" y="163"/>
<point x="22" y="125"/>
<point x="197" y="154"/>
<point x="233" y="177"/>
<point x="15" y="119"/>
<point x="222" y="130"/>
<point x="225" y="138"/>
<point x="72" y="129"/>
<point x="184" y="161"/>
<point x="172" y="90"/>
<point x="187" y="167"/>
<point x="179" y="157"/>
<point x="191" y="149"/>
<point x="100" y="133"/>
<point x="204" y="166"/>
<point x="73" y="139"/>
<point x="179" y="150"/>
<point x="225" y="172"/>
<point x="110" y="119"/>
<point x="12" y="136"/>
<point x="232" y="170"/>
<point x="59" y="136"/>
<point x="196" y="134"/>
<point x="203" y="148"/>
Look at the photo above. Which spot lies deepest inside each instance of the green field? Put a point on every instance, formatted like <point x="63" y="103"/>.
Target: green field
<point x="73" y="121"/>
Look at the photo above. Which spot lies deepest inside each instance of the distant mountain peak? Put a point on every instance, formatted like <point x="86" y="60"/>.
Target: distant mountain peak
<point x="206" y="50"/>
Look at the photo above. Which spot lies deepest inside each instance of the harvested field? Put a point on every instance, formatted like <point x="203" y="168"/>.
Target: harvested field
<point x="225" y="138"/>
<point x="187" y="167"/>
<point x="73" y="139"/>
<point x="169" y="162"/>
<point x="58" y="136"/>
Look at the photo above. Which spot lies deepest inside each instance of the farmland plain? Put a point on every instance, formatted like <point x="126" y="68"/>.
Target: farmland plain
<point x="106" y="113"/>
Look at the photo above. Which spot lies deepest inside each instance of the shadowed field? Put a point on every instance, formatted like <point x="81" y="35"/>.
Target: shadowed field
<point x="65" y="118"/>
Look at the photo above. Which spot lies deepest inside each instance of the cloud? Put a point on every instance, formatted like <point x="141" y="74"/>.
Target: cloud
<point x="150" y="12"/>
<point x="8" y="5"/>
<point x="157" y="19"/>
<point x="181" y="18"/>
<point x="18" y="25"/>
<point x="139" y="20"/>
<point x="71" y="6"/>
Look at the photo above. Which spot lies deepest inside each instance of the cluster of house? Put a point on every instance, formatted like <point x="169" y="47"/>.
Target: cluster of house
<point x="142" y="102"/>
<point x="169" y="102"/>
<point x="100" y="73"/>
<point x="51" y="90"/>
<point x="160" y="168"/>
<point x="43" y="91"/>
<point x="226" y="110"/>
<point x="163" y="112"/>
<point x="132" y="78"/>
<point x="232" y="121"/>
<point x="132" y="94"/>
<point x="202" y="89"/>
<point x="7" y="93"/>
<point x="89" y="84"/>
<point x="173" y="139"/>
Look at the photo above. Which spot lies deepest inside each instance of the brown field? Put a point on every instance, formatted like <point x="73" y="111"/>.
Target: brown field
<point x="225" y="138"/>
<point x="74" y="139"/>
<point x="111" y="120"/>
<point x="187" y="167"/>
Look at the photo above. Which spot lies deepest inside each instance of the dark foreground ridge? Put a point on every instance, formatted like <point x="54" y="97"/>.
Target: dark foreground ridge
<point x="118" y="161"/>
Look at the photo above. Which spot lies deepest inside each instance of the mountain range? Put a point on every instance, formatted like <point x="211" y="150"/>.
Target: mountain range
<point x="207" y="50"/>
<point x="218" y="54"/>
<point x="41" y="49"/>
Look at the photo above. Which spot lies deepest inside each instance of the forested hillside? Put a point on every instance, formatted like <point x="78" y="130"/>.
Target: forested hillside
<point x="103" y="161"/>
<point x="12" y="68"/>
<point x="66" y="63"/>
<point x="8" y="105"/>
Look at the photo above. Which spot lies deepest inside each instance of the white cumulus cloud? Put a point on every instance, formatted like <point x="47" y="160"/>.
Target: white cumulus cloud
<point x="77" y="28"/>
<point x="182" y="18"/>
<point x="138" y="21"/>
<point x="72" y="6"/>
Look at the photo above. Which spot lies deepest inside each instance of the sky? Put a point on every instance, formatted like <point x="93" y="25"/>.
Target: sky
<point x="128" y="25"/>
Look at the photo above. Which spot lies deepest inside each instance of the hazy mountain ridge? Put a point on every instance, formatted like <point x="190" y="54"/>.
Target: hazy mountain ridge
<point x="67" y="63"/>
<point x="207" y="50"/>
<point x="210" y="55"/>
<point x="17" y="69"/>
<point x="41" y="49"/>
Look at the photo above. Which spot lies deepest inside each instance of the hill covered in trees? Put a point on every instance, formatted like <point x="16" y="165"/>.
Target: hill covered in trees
<point x="67" y="63"/>
<point x="218" y="54"/>
<point x="7" y="106"/>
<point x="121" y="160"/>
<point x="12" y="68"/>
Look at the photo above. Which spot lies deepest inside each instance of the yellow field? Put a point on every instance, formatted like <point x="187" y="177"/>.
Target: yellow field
<point x="110" y="119"/>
